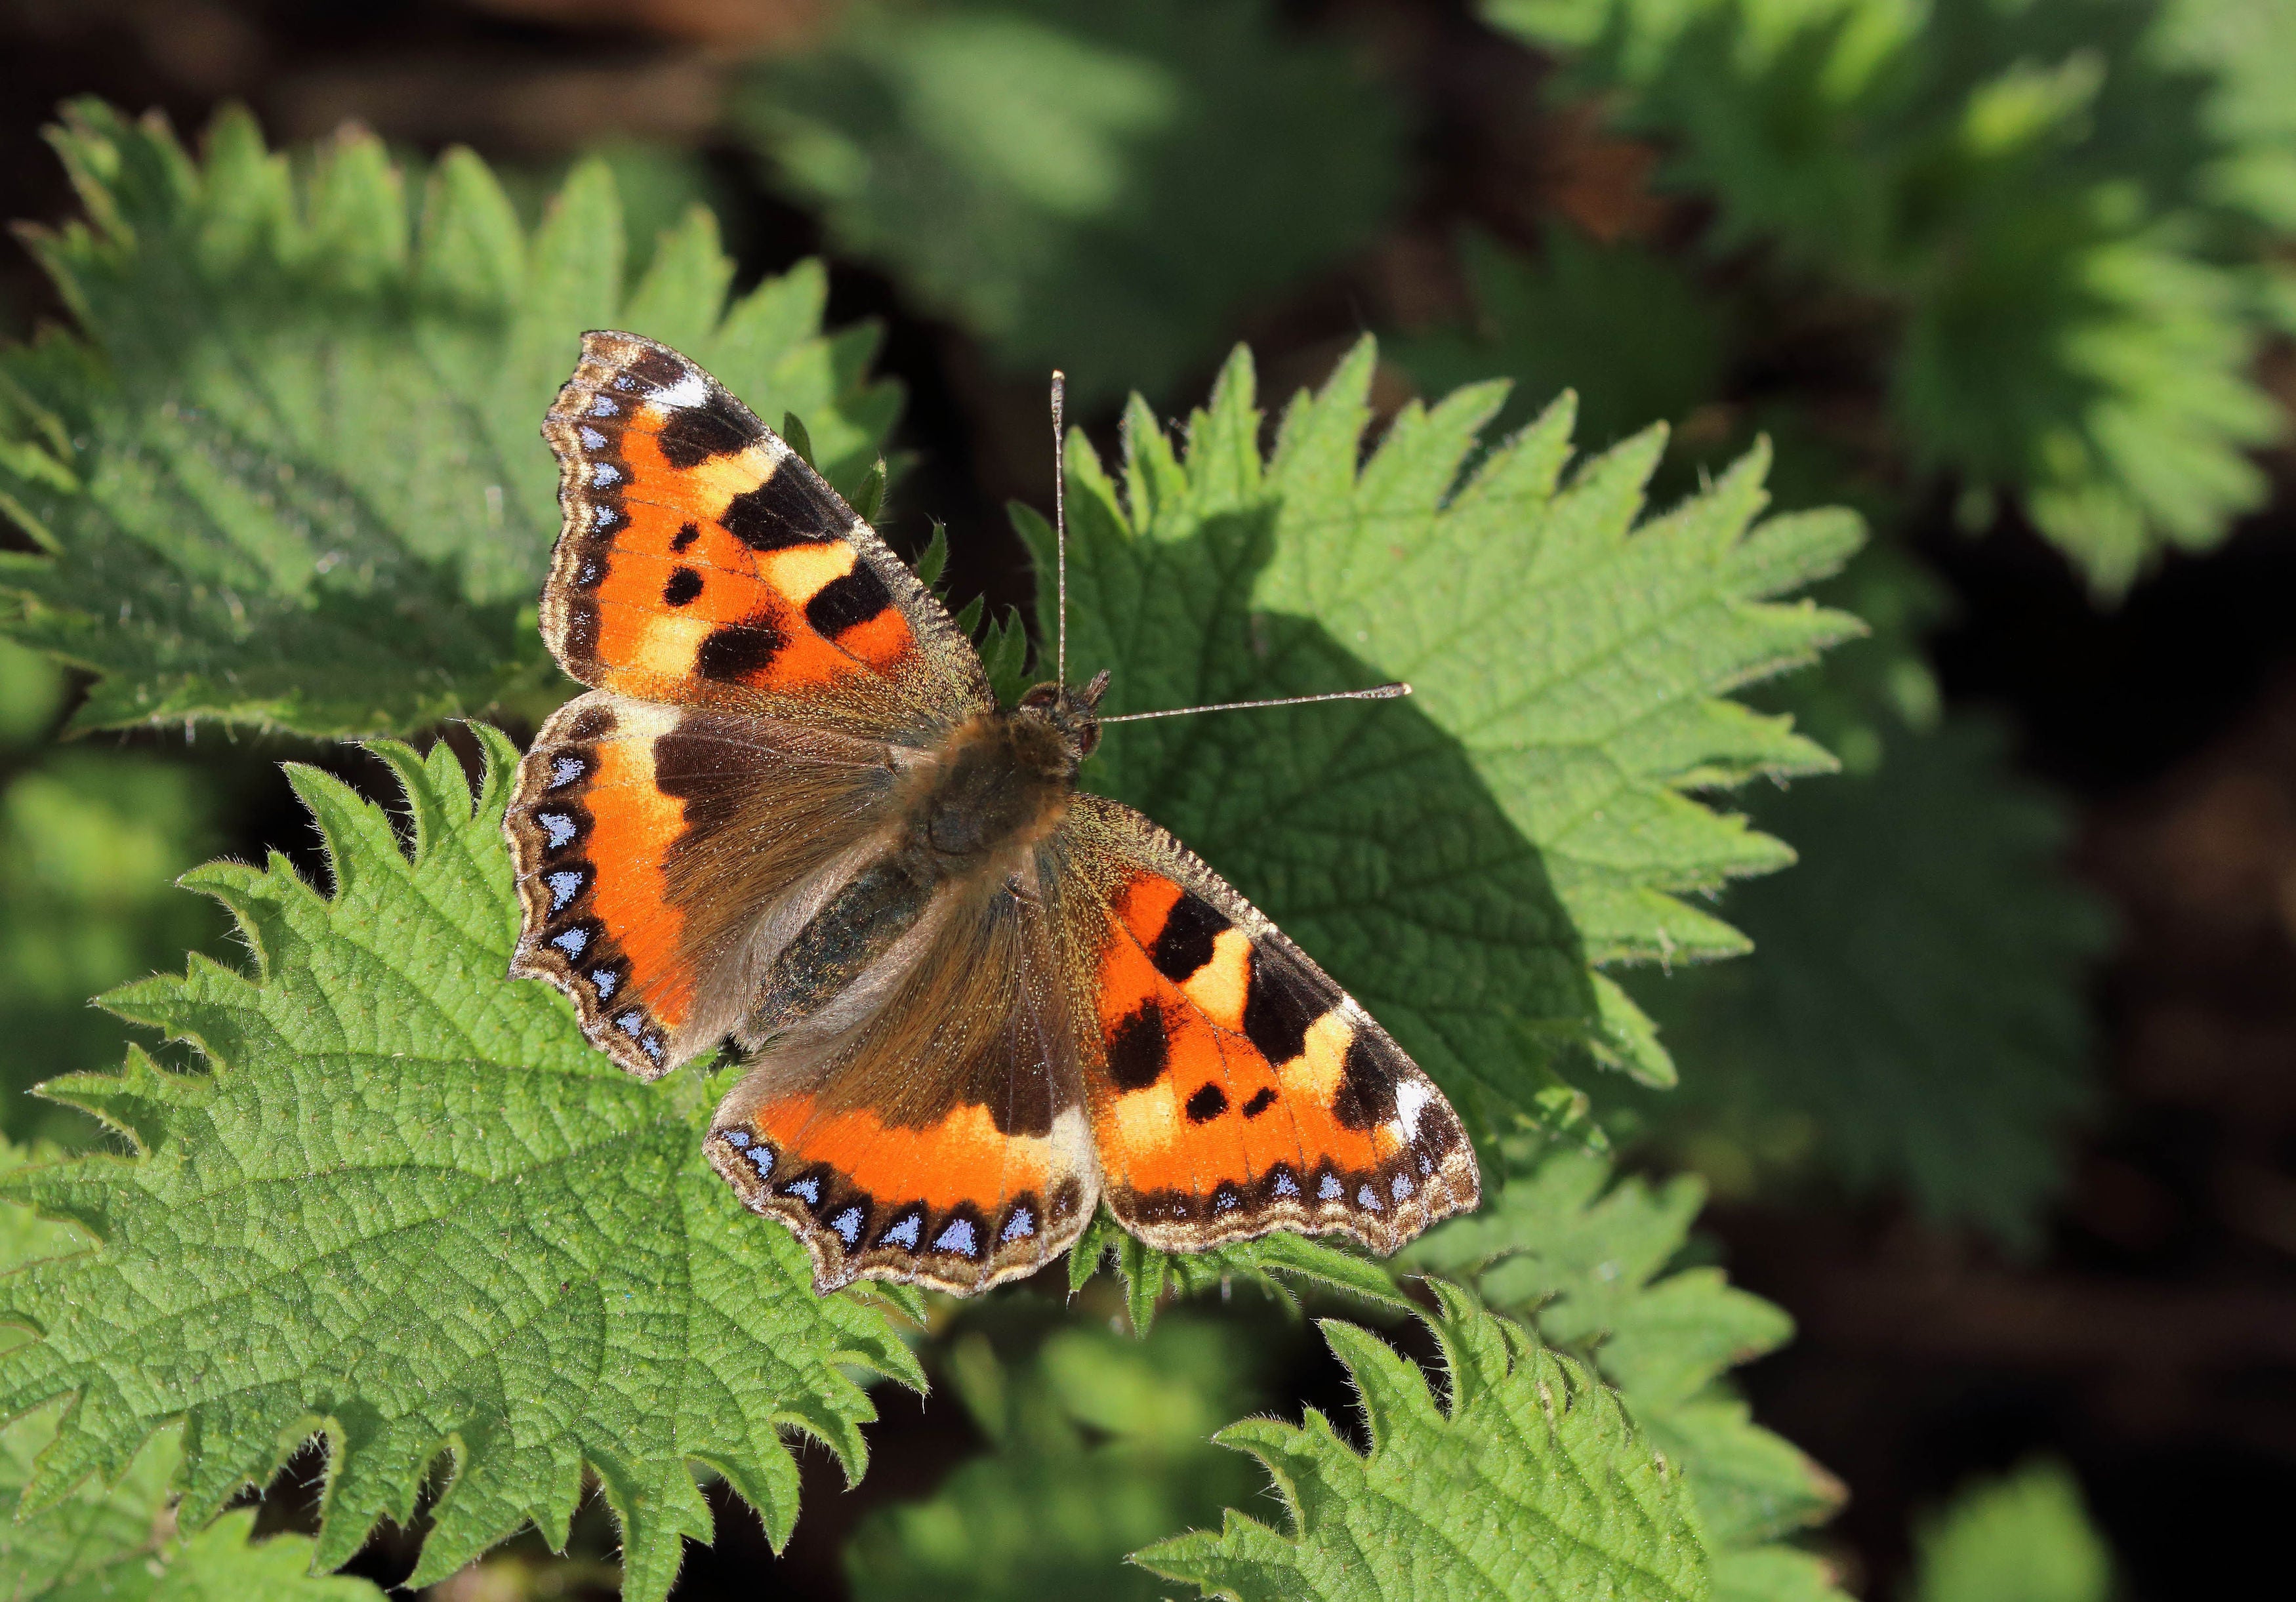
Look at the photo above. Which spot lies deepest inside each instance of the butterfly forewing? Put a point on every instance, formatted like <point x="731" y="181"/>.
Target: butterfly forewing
<point x="703" y="562"/>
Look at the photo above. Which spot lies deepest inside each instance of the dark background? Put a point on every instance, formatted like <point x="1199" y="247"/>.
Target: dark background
<point x="2149" y="1340"/>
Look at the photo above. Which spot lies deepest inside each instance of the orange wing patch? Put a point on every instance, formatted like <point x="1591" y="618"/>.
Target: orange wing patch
<point x="591" y="830"/>
<point x="704" y="563"/>
<point x="1244" y="1091"/>
<point x="957" y="1204"/>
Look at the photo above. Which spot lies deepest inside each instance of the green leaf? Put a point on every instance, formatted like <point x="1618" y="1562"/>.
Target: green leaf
<point x="285" y="472"/>
<point x="1148" y="1275"/>
<point x="33" y="694"/>
<point x="2023" y="1538"/>
<point x="1626" y="329"/>
<point x="2249" y="48"/>
<point x="1101" y="1445"/>
<point x="1916" y="1015"/>
<point x="933" y="559"/>
<point x="411" y="1210"/>
<point x="1586" y="1260"/>
<point x="1458" y="859"/>
<point x="2055" y="202"/>
<point x="90" y="844"/>
<point x="1102" y="188"/>
<point x="118" y="1542"/>
<point x="1526" y="1480"/>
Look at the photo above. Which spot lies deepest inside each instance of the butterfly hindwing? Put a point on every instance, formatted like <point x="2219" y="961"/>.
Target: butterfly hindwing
<point x="703" y="562"/>
<point x="940" y="1137"/>
<point x="1234" y="1088"/>
<point x="652" y="841"/>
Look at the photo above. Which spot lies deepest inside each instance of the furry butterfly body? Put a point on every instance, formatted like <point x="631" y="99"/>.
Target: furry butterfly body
<point x="974" y="1001"/>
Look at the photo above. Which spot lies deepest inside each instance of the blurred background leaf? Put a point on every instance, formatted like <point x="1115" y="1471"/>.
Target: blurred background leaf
<point x="1106" y="188"/>
<point x="91" y="841"/>
<point x="1098" y="1443"/>
<point x="2024" y="1537"/>
<point x="2053" y="205"/>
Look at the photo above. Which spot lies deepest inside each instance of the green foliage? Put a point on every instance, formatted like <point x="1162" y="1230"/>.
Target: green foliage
<point x="409" y="1208"/>
<point x="286" y="473"/>
<point x="1626" y="329"/>
<point x="2023" y="1538"/>
<point x="2045" y="196"/>
<point x="117" y="1542"/>
<point x="1583" y="1262"/>
<point x="2248" y="47"/>
<point x="1098" y="1445"/>
<point x="1148" y="1275"/>
<point x="1918" y="1020"/>
<point x="1103" y="188"/>
<point x="1463" y="860"/>
<point x="1526" y="1480"/>
<point x="89" y="842"/>
<point x="90" y="845"/>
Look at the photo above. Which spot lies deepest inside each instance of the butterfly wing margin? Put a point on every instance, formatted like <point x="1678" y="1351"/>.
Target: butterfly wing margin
<point x="1233" y="1088"/>
<point x="702" y="562"/>
<point x="941" y="1140"/>
<point x="657" y="849"/>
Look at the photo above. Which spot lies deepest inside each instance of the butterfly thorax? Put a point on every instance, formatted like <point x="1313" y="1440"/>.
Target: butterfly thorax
<point x="970" y="814"/>
<point x="998" y="785"/>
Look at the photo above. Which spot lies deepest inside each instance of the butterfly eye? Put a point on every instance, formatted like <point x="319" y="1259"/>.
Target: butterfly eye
<point x="1042" y="695"/>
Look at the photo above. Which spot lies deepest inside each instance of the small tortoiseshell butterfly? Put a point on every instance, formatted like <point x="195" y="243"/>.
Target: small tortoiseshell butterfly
<point x="976" y="1002"/>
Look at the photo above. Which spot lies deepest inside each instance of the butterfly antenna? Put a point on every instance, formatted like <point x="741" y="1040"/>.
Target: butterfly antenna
<point x="1060" y="522"/>
<point x="1385" y="692"/>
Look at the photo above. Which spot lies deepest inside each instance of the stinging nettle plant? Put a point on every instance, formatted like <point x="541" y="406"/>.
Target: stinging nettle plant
<point x="284" y="473"/>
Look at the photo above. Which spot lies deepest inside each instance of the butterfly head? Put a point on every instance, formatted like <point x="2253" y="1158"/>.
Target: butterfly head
<point x="1073" y="712"/>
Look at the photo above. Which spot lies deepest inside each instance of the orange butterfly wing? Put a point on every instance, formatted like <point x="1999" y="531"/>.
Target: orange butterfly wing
<point x="649" y="840"/>
<point x="1235" y="1089"/>
<point x="702" y="563"/>
<point x="941" y="1138"/>
<point x="759" y="659"/>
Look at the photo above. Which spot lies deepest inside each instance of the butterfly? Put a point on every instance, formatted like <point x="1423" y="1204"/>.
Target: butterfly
<point x="975" y="1002"/>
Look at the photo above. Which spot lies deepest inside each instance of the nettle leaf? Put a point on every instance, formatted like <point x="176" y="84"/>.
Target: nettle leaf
<point x="1587" y="1261"/>
<point x="1102" y="188"/>
<point x="118" y="1540"/>
<point x="2023" y="1538"/>
<point x="90" y="844"/>
<point x="2060" y="200"/>
<point x="286" y="471"/>
<point x="1099" y="1443"/>
<point x="409" y="1209"/>
<point x="1918" y="1017"/>
<point x="1629" y="330"/>
<point x="1273" y="1263"/>
<point x="1462" y="860"/>
<point x="1919" y="1009"/>
<point x="1527" y="1479"/>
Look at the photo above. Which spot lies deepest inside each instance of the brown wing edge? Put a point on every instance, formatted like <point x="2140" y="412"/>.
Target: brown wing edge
<point x="834" y="1267"/>
<point x="1432" y="1175"/>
